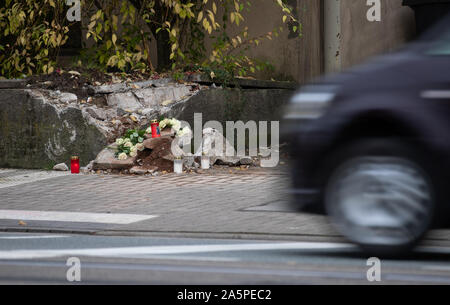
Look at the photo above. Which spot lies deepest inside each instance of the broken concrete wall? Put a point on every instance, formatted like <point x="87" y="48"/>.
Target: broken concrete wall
<point x="40" y="128"/>
<point x="37" y="134"/>
<point x="233" y="105"/>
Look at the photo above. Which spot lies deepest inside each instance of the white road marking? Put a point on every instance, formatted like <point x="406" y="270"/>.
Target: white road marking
<point x="121" y="219"/>
<point x="161" y="250"/>
<point x="33" y="237"/>
<point x="436" y="268"/>
<point x="27" y="176"/>
<point x="190" y="258"/>
<point x="184" y="249"/>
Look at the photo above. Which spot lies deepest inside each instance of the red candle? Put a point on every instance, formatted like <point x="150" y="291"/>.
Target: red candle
<point x="75" y="165"/>
<point x="156" y="130"/>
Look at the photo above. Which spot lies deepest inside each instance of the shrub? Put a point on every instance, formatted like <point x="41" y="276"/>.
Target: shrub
<point x="31" y="34"/>
<point x="179" y="27"/>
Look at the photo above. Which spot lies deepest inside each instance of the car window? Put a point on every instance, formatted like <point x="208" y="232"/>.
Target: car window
<point x="441" y="46"/>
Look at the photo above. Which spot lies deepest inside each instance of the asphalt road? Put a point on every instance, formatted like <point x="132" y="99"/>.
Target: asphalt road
<point x="42" y="259"/>
<point x="293" y="248"/>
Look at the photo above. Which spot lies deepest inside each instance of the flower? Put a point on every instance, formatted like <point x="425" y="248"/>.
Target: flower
<point x="133" y="154"/>
<point x="176" y="125"/>
<point x="120" y="141"/>
<point x="123" y="156"/>
<point x="128" y="144"/>
<point x="184" y="131"/>
<point x="140" y="146"/>
<point x="133" y="149"/>
<point x="149" y="130"/>
<point x="127" y="140"/>
<point x="164" y="123"/>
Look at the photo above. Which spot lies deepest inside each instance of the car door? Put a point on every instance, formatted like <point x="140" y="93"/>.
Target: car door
<point x="436" y="93"/>
<point x="433" y="70"/>
<point x="437" y="69"/>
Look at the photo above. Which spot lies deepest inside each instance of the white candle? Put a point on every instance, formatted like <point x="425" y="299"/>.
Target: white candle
<point x="205" y="162"/>
<point x="178" y="166"/>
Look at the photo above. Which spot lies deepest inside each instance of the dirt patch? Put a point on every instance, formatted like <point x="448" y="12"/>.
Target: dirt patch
<point x="77" y="84"/>
<point x="78" y="81"/>
<point x="152" y="158"/>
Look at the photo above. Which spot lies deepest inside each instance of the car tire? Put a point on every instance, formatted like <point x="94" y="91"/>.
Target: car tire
<point x="379" y="196"/>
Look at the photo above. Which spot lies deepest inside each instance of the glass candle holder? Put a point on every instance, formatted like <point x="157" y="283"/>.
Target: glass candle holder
<point x="156" y="130"/>
<point x="75" y="165"/>
<point x="206" y="162"/>
<point x="178" y="166"/>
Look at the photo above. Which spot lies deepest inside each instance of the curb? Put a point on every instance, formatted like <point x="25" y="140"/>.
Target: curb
<point x="430" y="241"/>
<point x="175" y="234"/>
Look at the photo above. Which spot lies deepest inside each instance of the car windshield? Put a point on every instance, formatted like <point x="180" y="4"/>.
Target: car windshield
<point x="441" y="46"/>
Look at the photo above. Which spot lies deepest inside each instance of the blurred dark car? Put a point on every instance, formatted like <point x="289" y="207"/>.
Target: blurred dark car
<point x="372" y="146"/>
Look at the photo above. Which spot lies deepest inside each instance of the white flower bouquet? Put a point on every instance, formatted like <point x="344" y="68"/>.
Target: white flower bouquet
<point x="175" y="125"/>
<point x="130" y="144"/>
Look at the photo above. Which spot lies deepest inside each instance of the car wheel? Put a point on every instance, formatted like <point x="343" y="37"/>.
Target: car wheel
<point x="380" y="198"/>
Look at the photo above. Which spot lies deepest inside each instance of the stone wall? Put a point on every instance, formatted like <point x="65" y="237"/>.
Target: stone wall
<point x="234" y="104"/>
<point x="37" y="134"/>
<point x="40" y="128"/>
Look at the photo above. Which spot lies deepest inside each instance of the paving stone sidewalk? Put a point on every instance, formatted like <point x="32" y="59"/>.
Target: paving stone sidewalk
<point x="191" y="203"/>
<point x="240" y="204"/>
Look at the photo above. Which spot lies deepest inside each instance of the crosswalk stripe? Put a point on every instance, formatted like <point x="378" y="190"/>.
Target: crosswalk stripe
<point x="165" y="250"/>
<point x="32" y="237"/>
<point x="120" y="219"/>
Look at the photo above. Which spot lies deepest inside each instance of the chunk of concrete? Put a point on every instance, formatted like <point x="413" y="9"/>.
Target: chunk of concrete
<point x="62" y="167"/>
<point x="157" y="97"/>
<point x="67" y="98"/>
<point x="96" y="113"/>
<point x="153" y="143"/>
<point x="124" y="100"/>
<point x="137" y="170"/>
<point x="106" y="159"/>
<point x="35" y="133"/>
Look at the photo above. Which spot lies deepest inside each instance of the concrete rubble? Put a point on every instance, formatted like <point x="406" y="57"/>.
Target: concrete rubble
<point x="62" y="167"/>
<point x="112" y="109"/>
<point x="159" y="157"/>
<point x="60" y="124"/>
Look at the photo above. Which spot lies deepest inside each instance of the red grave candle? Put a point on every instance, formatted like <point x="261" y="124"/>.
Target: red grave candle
<point x="156" y="130"/>
<point x="75" y="165"/>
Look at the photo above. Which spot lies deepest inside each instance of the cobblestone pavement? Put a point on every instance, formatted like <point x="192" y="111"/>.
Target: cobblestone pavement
<point x="187" y="203"/>
<point x="233" y="204"/>
<point x="12" y="177"/>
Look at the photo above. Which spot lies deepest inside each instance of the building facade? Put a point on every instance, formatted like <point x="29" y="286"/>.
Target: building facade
<point x="336" y="35"/>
